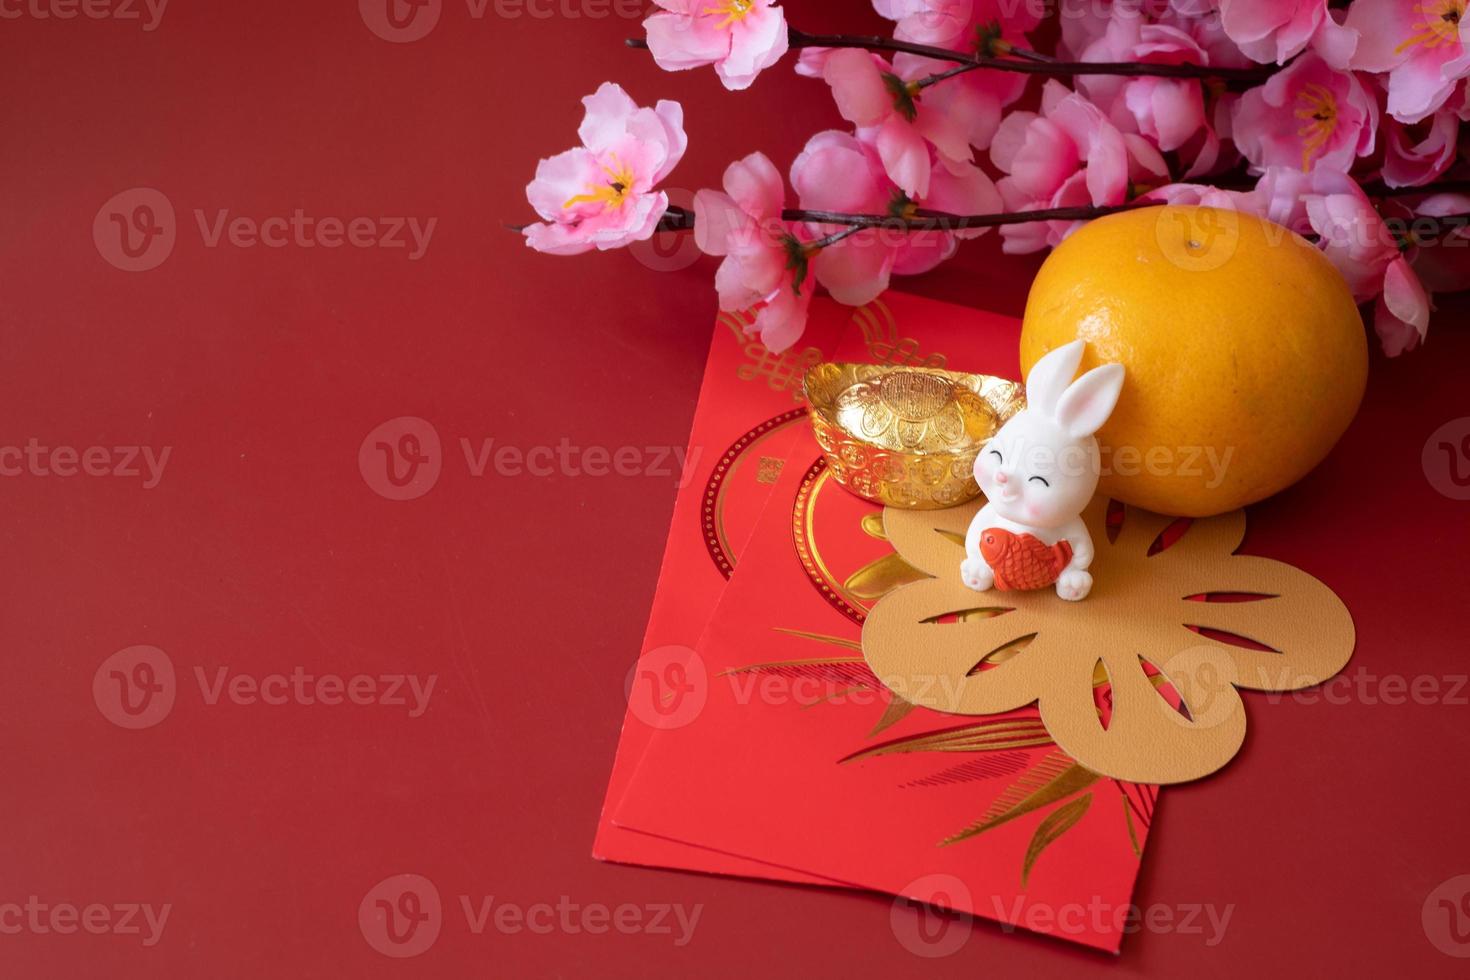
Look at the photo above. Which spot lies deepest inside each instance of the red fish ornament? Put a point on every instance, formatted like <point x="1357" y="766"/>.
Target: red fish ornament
<point x="1023" y="561"/>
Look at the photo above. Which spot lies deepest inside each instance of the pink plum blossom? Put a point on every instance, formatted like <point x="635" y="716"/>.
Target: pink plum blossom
<point x="1279" y="30"/>
<point x="741" y="38"/>
<point x="1359" y="243"/>
<point x="1439" y="263"/>
<point x="1401" y="314"/>
<point x="1170" y="112"/>
<point x="1279" y="195"/>
<point x="963" y="25"/>
<point x="743" y="224"/>
<point x="839" y="172"/>
<point x="601" y="194"/>
<point x="1307" y="116"/>
<point x="956" y="23"/>
<point x="1354" y="237"/>
<point x="1420" y="44"/>
<point x="902" y="123"/>
<point x="1068" y="155"/>
<point x="1409" y="159"/>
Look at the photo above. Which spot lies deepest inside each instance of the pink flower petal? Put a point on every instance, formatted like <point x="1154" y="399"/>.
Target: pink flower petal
<point x="716" y="217"/>
<point x="556" y="239"/>
<point x="1382" y="26"/>
<point x="755" y="185"/>
<point x="679" y="42"/>
<point x="1401" y="315"/>
<point x="758" y="41"/>
<point x="922" y="251"/>
<point x="905" y="155"/>
<point x="855" y="270"/>
<point x="748" y="275"/>
<point x="1047" y="158"/>
<point x="857" y="87"/>
<point x="833" y="173"/>
<point x="606" y="118"/>
<point x="1407" y="165"/>
<point x="1335" y="43"/>
<point x="671" y="114"/>
<point x="967" y="192"/>
<point x="1425" y="81"/>
<point x="782" y="320"/>
<point x="1010" y="136"/>
<point x="561" y="178"/>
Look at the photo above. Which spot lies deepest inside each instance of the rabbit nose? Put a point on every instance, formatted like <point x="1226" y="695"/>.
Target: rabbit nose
<point x="1001" y="478"/>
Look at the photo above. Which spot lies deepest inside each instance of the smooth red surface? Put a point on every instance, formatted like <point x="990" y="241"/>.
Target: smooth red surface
<point x="263" y="549"/>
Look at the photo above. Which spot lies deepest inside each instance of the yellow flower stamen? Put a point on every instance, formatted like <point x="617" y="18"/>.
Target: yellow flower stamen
<point x="1441" y="25"/>
<point x="733" y="10"/>
<point x="612" y="193"/>
<point x="1319" y="114"/>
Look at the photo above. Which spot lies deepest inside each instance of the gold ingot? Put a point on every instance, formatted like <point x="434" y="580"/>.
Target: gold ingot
<point x="906" y="436"/>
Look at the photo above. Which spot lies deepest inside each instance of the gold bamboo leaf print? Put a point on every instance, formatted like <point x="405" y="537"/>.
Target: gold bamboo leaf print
<point x="872" y="525"/>
<point x="895" y="711"/>
<point x="1041" y="786"/>
<point x="848" y="670"/>
<point x="1050" y="830"/>
<point x="987" y="736"/>
<point x="835" y="641"/>
<point x="1132" y="834"/>
<point x="881" y="576"/>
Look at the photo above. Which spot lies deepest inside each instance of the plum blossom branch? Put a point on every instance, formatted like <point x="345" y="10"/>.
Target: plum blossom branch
<point x="1023" y="64"/>
<point x="924" y="219"/>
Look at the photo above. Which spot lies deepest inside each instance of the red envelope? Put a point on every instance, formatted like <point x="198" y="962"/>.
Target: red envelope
<point x="786" y="750"/>
<point x="750" y="408"/>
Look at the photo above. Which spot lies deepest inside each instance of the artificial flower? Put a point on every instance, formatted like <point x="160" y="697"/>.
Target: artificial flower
<point x="1279" y="30"/>
<point x="1419" y="43"/>
<point x="741" y="38"/>
<point x="1353" y="235"/>
<point x="839" y="172"/>
<point x="1307" y="115"/>
<point x="743" y="224"/>
<point x="1169" y="111"/>
<point x="1401" y="313"/>
<point x="1067" y="155"/>
<point x="1416" y="156"/>
<point x="900" y="122"/>
<point x="601" y="195"/>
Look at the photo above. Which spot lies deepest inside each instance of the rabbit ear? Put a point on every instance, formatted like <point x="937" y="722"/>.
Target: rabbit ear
<point x="1050" y="375"/>
<point x="1088" y="402"/>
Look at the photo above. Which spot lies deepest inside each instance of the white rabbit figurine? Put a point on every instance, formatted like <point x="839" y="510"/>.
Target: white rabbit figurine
<point x="1038" y="473"/>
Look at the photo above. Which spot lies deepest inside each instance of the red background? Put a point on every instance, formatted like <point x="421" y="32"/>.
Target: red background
<point x="263" y="550"/>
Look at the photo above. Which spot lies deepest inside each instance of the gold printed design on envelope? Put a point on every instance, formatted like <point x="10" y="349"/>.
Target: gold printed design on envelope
<point x="769" y="470"/>
<point x="880" y="333"/>
<point x="781" y="372"/>
<point x="712" y="510"/>
<point x="1208" y="621"/>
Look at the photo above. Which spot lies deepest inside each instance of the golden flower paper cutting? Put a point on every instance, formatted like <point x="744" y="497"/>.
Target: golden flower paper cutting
<point x="1183" y="606"/>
